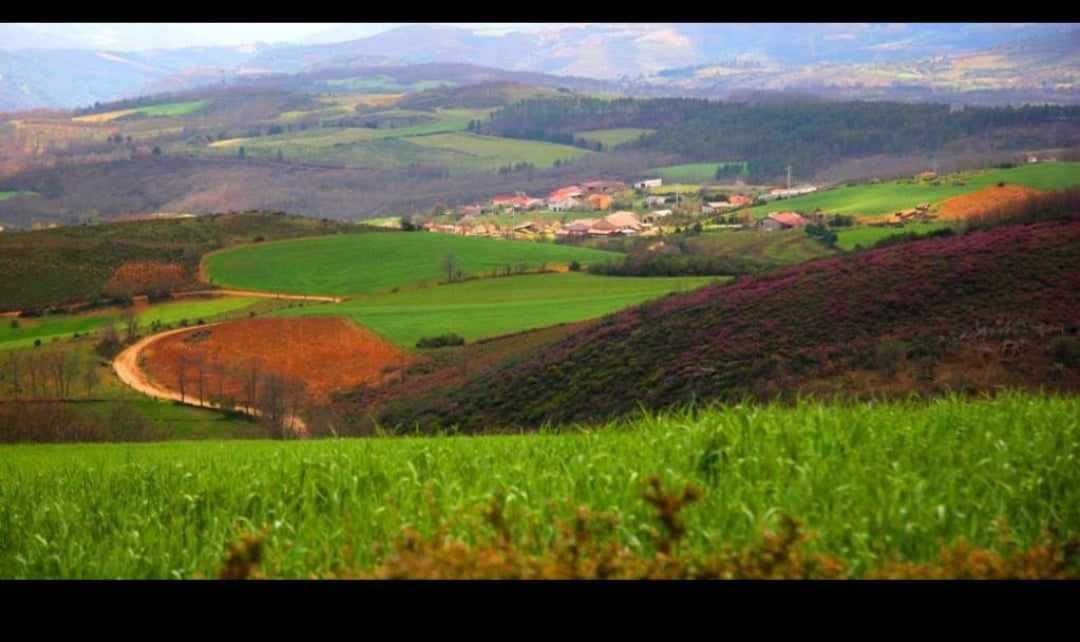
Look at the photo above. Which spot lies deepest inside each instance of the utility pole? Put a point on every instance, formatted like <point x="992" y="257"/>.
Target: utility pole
<point x="789" y="176"/>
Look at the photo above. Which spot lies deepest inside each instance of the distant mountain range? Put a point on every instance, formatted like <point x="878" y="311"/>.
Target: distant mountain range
<point x="691" y="59"/>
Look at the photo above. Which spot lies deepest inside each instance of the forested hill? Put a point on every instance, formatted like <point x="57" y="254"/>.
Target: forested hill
<point x="805" y="134"/>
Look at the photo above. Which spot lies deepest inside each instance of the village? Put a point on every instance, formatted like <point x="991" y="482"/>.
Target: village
<point x="644" y="208"/>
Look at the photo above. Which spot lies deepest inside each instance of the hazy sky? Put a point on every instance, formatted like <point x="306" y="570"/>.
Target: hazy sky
<point x="141" y="36"/>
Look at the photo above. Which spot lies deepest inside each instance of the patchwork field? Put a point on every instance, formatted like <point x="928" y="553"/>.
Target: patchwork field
<point x="491" y="152"/>
<point x="326" y="354"/>
<point x="613" y="137"/>
<point x="54" y="327"/>
<point x="442" y="142"/>
<point x="876" y="483"/>
<point x="366" y="263"/>
<point x="888" y="197"/>
<point x="153" y="111"/>
<point x="491" y="307"/>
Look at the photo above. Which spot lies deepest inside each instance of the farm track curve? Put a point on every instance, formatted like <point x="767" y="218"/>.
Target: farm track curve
<point x="126" y="366"/>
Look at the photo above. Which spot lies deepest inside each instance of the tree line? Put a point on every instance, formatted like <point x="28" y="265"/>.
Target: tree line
<point x="808" y="135"/>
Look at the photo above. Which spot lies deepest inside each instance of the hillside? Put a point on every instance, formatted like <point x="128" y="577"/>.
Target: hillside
<point x="999" y="295"/>
<point x="65" y="265"/>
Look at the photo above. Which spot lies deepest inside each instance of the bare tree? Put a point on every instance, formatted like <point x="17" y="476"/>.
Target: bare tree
<point x="13" y="369"/>
<point x="450" y="266"/>
<point x="200" y="374"/>
<point x="131" y="325"/>
<point x="272" y="404"/>
<point x="181" y="367"/>
<point x="90" y="375"/>
<point x="251" y="383"/>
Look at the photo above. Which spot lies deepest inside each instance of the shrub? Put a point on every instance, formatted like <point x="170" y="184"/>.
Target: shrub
<point x="14" y="324"/>
<point x="37" y="343"/>
<point x="888" y="355"/>
<point x="574" y="267"/>
<point x="1066" y="351"/>
<point x="440" y="341"/>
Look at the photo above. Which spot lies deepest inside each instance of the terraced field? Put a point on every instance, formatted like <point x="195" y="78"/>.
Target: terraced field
<point x="367" y="263"/>
<point x="492" y="307"/>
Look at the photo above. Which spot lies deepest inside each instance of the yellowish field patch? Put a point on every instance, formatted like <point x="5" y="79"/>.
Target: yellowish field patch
<point x="103" y="118"/>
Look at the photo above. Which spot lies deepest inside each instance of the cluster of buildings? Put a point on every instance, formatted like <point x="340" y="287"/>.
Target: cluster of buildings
<point x="617" y="224"/>
<point x="782" y="192"/>
<point x="590" y="195"/>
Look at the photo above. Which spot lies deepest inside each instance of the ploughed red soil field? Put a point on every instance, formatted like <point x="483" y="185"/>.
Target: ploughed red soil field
<point x="976" y="203"/>
<point x="325" y="353"/>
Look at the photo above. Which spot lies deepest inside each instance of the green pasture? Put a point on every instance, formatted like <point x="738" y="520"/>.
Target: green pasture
<point x="614" y="137"/>
<point x="365" y="263"/>
<point x="495" y="306"/>
<point x="60" y="326"/>
<point x="691" y="172"/>
<point x="850" y="238"/>
<point x="887" y="197"/>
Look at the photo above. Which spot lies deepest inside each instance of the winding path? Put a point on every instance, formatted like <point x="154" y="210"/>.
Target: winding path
<point x="260" y="294"/>
<point x="126" y="366"/>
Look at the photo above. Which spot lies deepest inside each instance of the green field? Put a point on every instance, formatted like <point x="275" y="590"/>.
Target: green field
<point x="691" y="172"/>
<point x="885" y="198"/>
<point x="6" y="195"/>
<point x="866" y="236"/>
<point x="53" y="327"/>
<point x="442" y="142"/>
<point x="492" y="152"/>
<point x="366" y="263"/>
<point x="874" y="481"/>
<point x="613" y="137"/>
<point x="172" y="109"/>
<point x="770" y="249"/>
<point x="491" y="307"/>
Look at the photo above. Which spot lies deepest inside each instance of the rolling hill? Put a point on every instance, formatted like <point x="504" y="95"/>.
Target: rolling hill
<point x="836" y="324"/>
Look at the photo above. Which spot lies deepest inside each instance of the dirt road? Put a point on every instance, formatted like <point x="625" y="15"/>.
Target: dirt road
<point x="260" y="294"/>
<point x="126" y="366"/>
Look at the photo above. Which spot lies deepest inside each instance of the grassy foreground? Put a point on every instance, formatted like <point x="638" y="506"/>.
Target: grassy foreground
<point x="875" y="481"/>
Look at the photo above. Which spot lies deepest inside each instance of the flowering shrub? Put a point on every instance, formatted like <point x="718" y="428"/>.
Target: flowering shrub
<point x="710" y="343"/>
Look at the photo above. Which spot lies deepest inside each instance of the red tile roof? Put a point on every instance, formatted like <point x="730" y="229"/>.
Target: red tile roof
<point x="791" y="219"/>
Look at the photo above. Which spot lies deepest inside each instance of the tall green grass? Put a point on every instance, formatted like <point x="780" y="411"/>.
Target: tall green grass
<point x="874" y="480"/>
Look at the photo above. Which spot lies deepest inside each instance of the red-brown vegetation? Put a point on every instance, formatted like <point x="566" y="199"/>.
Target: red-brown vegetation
<point x="324" y="353"/>
<point x="145" y="277"/>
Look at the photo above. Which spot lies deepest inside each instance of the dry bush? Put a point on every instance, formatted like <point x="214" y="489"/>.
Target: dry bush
<point x="145" y="277"/>
<point x="585" y="548"/>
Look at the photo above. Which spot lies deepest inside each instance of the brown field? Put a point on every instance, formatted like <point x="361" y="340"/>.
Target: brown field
<point x="326" y="353"/>
<point x="975" y="203"/>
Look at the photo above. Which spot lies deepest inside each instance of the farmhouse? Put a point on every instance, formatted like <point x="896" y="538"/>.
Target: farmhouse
<point x="516" y="201"/>
<point x="470" y="210"/>
<point x="653" y="201"/>
<point x="603" y="187"/>
<point x="566" y="204"/>
<point x="781" y="192"/>
<point x="649" y="182"/>
<point x="782" y="221"/>
<point x="655" y="216"/>
<point x="575" y="229"/>
<point x="599" y="201"/>
<point x="739" y="200"/>
<point x="563" y="193"/>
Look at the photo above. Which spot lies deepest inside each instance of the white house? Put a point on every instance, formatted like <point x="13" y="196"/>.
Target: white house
<point x="649" y="182"/>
